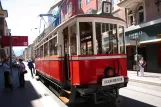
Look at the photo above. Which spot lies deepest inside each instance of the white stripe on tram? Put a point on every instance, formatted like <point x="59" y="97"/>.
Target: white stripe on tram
<point x="84" y="58"/>
<point x="98" y="57"/>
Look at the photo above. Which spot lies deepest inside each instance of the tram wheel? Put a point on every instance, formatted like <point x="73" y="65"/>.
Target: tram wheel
<point x="118" y="102"/>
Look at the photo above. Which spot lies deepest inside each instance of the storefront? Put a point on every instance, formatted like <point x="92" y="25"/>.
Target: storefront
<point x="149" y="46"/>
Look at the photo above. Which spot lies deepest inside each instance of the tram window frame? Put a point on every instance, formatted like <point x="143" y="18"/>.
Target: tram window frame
<point x="41" y="51"/>
<point x="73" y="40"/>
<point x="46" y="49"/>
<point x="103" y="46"/>
<point x="122" y="39"/>
<point x="86" y="35"/>
<point x="53" y="46"/>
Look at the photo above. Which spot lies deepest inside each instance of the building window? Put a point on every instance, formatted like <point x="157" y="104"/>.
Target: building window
<point x="87" y="1"/>
<point x="2" y="21"/>
<point x="131" y="18"/>
<point x="79" y="4"/>
<point x="141" y="14"/>
<point x="69" y="7"/>
<point x="1" y="32"/>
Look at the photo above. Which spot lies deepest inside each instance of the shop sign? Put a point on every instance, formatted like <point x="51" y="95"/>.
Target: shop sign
<point x="16" y="41"/>
<point x="135" y="35"/>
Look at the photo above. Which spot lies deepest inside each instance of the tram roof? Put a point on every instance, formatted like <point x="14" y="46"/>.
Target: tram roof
<point x="100" y="16"/>
<point x="84" y="15"/>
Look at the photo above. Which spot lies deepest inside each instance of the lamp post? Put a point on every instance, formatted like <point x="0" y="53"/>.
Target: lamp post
<point x="10" y="51"/>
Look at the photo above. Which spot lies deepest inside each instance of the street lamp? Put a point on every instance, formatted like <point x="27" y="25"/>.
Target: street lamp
<point x="157" y="3"/>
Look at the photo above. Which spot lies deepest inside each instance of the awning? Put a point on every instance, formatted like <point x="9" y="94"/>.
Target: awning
<point x="146" y="35"/>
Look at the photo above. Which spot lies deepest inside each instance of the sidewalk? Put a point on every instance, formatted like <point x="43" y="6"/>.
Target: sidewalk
<point x="149" y="78"/>
<point x="33" y="95"/>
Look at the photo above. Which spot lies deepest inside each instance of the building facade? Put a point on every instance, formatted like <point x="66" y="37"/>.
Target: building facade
<point x="143" y="19"/>
<point x="69" y="8"/>
<point x="4" y="52"/>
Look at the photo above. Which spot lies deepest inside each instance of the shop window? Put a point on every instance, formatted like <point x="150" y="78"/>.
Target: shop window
<point x="107" y="41"/>
<point x="53" y="46"/>
<point x="86" y="38"/>
<point x="121" y="39"/>
<point x="131" y="18"/>
<point x="141" y="14"/>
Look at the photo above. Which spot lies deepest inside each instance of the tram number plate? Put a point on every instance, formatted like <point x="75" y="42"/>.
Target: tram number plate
<point x="113" y="80"/>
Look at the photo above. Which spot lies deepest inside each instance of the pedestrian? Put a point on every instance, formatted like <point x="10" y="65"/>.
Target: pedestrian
<point x="31" y="67"/>
<point x="142" y="64"/>
<point x="6" y="70"/>
<point x="21" y="73"/>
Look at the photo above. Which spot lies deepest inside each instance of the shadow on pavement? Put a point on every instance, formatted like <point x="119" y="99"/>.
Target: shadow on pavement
<point x="20" y="97"/>
<point x="127" y="102"/>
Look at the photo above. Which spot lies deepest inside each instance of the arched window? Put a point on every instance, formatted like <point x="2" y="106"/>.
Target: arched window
<point x="141" y="14"/>
<point x="131" y="18"/>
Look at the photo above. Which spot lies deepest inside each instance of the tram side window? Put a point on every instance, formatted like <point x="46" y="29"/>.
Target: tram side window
<point x="121" y="40"/>
<point x="53" y="46"/>
<point x="106" y="36"/>
<point x="46" y="49"/>
<point x="73" y="41"/>
<point x="41" y="51"/>
<point x="86" y="38"/>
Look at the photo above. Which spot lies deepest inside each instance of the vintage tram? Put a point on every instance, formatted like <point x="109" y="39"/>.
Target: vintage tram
<point x="84" y="58"/>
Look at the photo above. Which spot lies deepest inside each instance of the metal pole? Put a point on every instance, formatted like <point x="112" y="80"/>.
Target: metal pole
<point x="10" y="53"/>
<point x="137" y="57"/>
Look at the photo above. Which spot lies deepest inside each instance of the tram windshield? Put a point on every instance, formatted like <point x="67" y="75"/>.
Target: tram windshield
<point x="107" y="41"/>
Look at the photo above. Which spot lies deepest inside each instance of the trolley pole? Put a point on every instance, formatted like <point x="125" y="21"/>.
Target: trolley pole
<point x="10" y="53"/>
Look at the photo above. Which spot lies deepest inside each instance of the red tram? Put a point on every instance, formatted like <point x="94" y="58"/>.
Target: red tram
<point x="84" y="58"/>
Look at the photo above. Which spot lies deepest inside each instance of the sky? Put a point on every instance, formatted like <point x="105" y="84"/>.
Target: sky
<point x="23" y="17"/>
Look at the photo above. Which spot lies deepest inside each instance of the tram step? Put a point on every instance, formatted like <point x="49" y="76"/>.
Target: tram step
<point x="64" y="99"/>
<point x="69" y="92"/>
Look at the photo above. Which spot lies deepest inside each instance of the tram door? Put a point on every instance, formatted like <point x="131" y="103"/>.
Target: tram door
<point x="66" y="55"/>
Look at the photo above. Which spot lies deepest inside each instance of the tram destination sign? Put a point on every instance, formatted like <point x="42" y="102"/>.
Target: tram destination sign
<point x="16" y="41"/>
<point x="106" y="7"/>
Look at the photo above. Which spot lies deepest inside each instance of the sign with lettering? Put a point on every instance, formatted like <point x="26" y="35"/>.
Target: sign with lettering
<point x="16" y="41"/>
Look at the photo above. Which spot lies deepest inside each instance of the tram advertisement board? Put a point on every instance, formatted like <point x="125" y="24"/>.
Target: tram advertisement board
<point x="16" y="41"/>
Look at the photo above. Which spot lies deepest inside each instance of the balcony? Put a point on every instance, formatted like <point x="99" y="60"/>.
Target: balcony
<point x="129" y="3"/>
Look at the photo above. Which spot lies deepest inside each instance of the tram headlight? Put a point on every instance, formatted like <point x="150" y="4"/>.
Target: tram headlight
<point x="109" y="72"/>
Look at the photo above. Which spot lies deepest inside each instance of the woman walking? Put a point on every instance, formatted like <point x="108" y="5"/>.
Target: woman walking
<point x="21" y="73"/>
<point x="142" y="65"/>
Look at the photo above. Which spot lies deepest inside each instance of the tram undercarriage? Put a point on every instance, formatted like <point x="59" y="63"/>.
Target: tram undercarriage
<point x="82" y="94"/>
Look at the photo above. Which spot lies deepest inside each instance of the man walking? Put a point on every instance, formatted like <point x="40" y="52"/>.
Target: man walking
<point x="21" y="73"/>
<point x="6" y="70"/>
<point x="31" y="67"/>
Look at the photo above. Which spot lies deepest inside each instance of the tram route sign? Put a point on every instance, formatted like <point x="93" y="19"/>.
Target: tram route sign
<point x="106" y="7"/>
<point x="16" y="41"/>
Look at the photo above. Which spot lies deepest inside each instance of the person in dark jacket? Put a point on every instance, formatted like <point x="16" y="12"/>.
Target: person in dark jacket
<point x="31" y="67"/>
<point x="6" y="70"/>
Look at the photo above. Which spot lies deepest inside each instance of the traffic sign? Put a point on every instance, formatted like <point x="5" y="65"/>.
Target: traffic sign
<point x="16" y="41"/>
